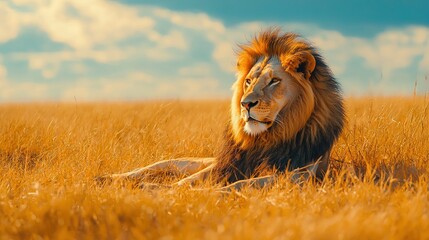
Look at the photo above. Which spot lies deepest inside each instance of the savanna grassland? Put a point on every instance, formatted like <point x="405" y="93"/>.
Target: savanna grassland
<point x="50" y="154"/>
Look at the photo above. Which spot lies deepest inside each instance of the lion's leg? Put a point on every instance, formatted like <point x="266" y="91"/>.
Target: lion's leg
<point x="303" y="174"/>
<point x="259" y="182"/>
<point x="201" y="175"/>
<point x="190" y="180"/>
<point x="181" y="166"/>
<point x="323" y="165"/>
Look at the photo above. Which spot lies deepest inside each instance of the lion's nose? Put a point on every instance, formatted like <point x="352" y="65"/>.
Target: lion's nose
<point x="249" y="105"/>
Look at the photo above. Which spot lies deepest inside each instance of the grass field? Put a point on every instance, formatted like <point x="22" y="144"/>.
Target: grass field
<point x="50" y="153"/>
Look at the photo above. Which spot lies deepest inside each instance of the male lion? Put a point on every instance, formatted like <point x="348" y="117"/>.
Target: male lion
<point x="286" y="113"/>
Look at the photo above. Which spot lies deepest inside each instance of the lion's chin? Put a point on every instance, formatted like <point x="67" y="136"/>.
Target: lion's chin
<point x="254" y="128"/>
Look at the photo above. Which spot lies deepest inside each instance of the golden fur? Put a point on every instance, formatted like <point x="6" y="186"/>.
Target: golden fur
<point x="303" y="130"/>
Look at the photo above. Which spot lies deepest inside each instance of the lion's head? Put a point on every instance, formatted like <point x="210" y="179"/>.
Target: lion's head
<point x="280" y="79"/>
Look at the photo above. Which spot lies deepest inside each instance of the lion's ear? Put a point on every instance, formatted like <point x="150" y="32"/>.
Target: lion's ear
<point x="300" y="62"/>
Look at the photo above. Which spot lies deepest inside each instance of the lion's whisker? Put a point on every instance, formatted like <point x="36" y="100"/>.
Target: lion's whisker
<point x="280" y="123"/>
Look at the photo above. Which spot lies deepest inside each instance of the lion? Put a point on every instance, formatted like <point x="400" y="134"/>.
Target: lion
<point x="286" y="113"/>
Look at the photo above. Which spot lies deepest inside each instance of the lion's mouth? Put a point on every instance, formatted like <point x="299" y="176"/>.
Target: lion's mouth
<point x="250" y="119"/>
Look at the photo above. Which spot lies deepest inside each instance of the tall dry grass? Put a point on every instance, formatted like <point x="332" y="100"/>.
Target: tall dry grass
<point x="50" y="153"/>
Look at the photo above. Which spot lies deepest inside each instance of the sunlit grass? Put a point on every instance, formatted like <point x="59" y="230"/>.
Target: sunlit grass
<point x="50" y="153"/>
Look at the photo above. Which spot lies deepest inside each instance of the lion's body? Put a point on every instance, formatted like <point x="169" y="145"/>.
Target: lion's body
<point x="286" y="113"/>
<point x="303" y="138"/>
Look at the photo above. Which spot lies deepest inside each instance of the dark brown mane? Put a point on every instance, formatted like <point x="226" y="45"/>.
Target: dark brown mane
<point x="235" y="162"/>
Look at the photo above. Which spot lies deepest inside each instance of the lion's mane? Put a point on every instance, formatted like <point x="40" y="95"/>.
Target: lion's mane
<point x="311" y="124"/>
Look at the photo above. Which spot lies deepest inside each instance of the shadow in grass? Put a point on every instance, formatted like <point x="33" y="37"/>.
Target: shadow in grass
<point x="394" y="173"/>
<point x="25" y="160"/>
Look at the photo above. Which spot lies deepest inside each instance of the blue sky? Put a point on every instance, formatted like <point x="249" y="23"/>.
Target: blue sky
<point x="78" y="50"/>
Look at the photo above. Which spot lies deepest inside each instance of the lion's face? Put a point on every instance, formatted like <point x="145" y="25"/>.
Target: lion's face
<point x="273" y="95"/>
<point x="267" y="89"/>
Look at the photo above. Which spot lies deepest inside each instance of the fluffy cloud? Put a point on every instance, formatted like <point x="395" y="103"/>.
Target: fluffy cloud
<point x="395" y="49"/>
<point x="82" y="25"/>
<point x="198" y="69"/>
<point x="194" y="21"/>
<point x="10" y="23"/>
<point x="92" y="31"/>
<point x="397" y="58"/>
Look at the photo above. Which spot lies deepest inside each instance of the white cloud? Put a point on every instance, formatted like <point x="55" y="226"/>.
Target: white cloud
<point x="79" y="68"/>
<point x="10" y="22"/>
<point x="140" y="76"/>
<point x="226" y="43"/>
<point x="335" y="47"/>
<point x="391" y="54"/>
<point x="156" y="53"/>
<point x="30" y="2"/>
<point x="194" y="21"/>
<point x="93" y="31"/>
<point x="198" y="69"/>
<point x="394" y="49"/>
<point x="174" y="39"/>
<point x="83" y="26"/>
<point x="223" y="55"/>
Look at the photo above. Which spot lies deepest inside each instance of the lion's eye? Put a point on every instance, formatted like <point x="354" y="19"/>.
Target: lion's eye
<point x="248" y="81"/>
<point x="274" y="81"/>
